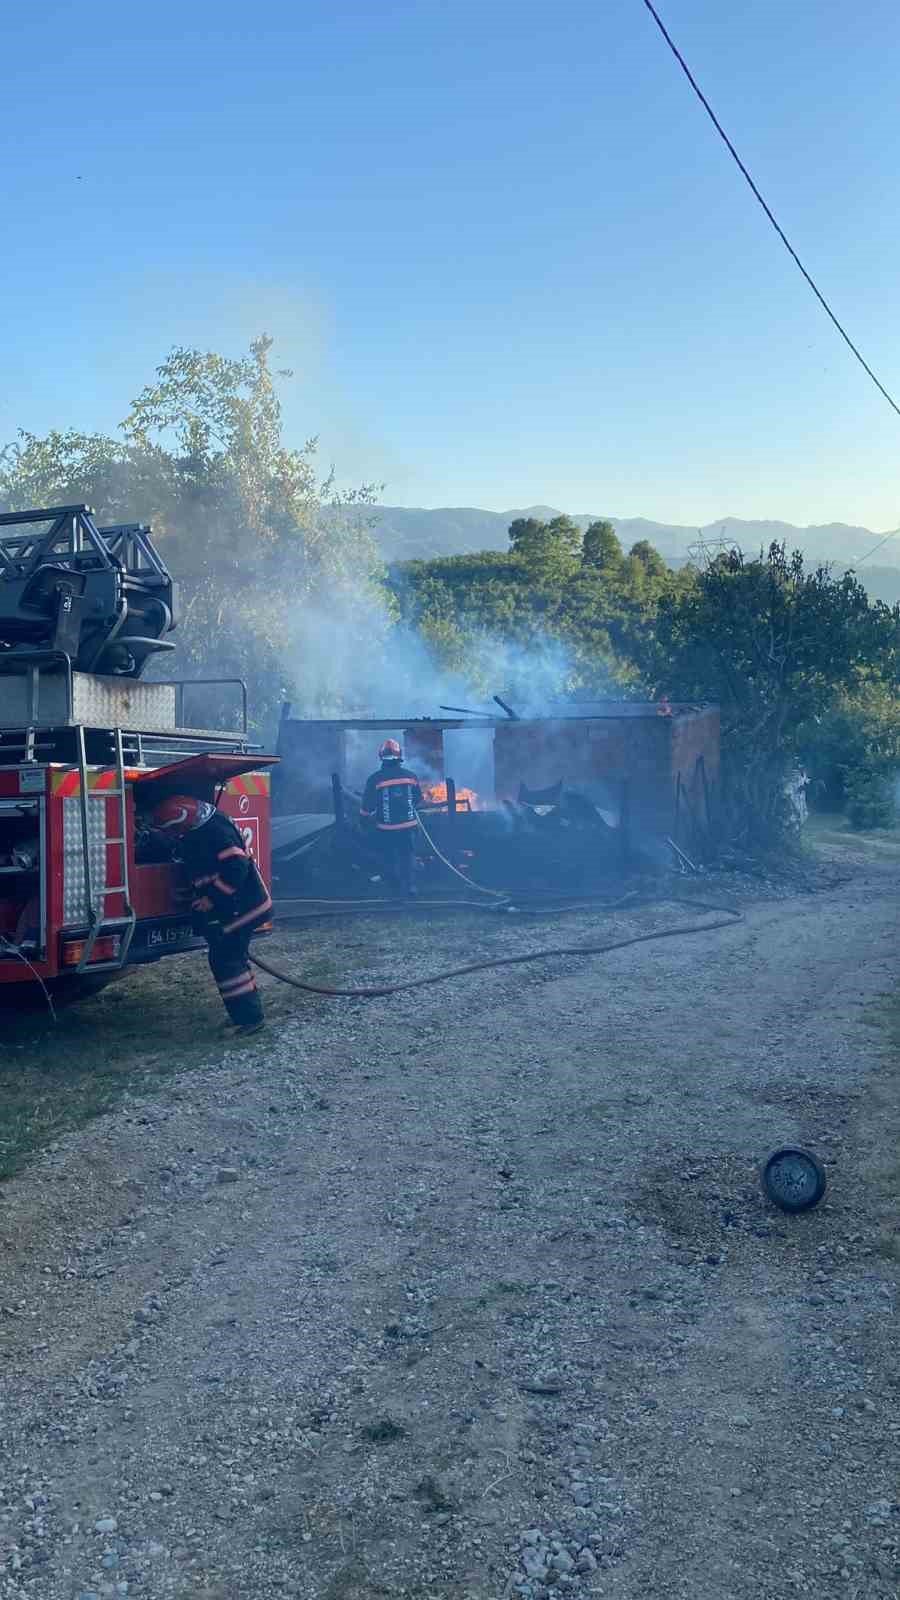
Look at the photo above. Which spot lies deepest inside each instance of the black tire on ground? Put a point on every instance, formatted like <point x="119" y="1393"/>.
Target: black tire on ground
<point x="793" y="1179"/>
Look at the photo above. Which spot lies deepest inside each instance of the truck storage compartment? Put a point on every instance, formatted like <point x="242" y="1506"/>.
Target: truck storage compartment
<point x="22" y="885"/>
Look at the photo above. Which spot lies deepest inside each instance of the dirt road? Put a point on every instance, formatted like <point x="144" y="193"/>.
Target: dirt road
<point x="474" y="1293"/>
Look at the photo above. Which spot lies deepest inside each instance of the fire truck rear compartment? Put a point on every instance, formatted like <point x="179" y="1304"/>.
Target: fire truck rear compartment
<point x="22" y="887"/>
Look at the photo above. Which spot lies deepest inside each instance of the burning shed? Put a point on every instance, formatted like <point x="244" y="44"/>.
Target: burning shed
<point x="654" y="768"/>
<point x="643" y="773"/>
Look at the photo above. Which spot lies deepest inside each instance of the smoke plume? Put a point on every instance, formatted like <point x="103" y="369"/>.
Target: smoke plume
<point x="348" y="657"/>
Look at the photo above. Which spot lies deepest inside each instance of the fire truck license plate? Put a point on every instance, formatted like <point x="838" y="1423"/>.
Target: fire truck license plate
<point x="175" y="933"/>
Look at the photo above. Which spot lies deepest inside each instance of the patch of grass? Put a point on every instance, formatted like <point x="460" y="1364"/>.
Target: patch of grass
<point x="138" y="1033"/>
<point x="827" y="830"/>
<point x="135" y="1035"/>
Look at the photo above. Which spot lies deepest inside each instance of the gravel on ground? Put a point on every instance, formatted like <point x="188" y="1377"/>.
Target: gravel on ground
<point x="474" y="1292"/>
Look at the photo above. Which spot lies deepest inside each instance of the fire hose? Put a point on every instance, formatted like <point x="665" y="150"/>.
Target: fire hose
<point x="496" y="894"/>
<point x="502" y="896"/>
<point x="304" y="909"/>
<point x="726" y="918"/>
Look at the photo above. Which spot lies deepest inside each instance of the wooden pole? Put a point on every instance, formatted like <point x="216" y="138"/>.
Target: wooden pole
<point x="705" y="781"/>
<point x="337" y="796"/>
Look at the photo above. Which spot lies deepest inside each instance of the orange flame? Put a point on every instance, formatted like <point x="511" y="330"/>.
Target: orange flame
<point x="435" y="794"/>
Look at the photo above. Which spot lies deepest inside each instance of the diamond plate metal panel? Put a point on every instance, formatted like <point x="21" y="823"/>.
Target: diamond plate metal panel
<point x="97" y="702"/>
<point x="123" y="703"/>
<point x="75" y="900"/>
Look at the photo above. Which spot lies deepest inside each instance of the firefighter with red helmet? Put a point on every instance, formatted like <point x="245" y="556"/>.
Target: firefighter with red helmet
<point x="230" y="898"/>
<point x="389" y="805"/>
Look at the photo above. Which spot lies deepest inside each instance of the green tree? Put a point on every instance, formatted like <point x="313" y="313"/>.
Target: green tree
<point x="548" y="551"/>
<point x="852" y="753"/>
<point x="774" y="645"/>
<point x="527" y="535"/>
<point x="649" y="558"/>
<point x="601" y="549"/>
<point x="257" y="540"/>
<point x="566" y="535"/>
<point x="539" y="599"/>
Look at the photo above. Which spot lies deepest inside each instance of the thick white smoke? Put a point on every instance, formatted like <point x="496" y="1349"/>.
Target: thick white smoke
<point x="347" y="657"/>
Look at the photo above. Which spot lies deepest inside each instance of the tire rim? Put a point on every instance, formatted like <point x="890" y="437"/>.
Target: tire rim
<point x="792" y="1179"/>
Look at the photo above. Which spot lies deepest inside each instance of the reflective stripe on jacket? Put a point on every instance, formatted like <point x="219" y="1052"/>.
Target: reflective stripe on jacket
<point x="223" y="871"/>
<point x="391" y="798"/>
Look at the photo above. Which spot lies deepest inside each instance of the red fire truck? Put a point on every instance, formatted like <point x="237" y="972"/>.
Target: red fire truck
<point x="87" y="750"/>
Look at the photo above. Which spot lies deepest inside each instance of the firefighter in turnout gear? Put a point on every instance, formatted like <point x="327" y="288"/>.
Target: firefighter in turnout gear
<point x="389" y="805"/>
<point x="230" y="899"/>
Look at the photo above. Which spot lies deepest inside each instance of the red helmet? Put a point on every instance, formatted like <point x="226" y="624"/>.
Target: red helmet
<point x="181" y="813"/>
<point x="390" y="751"/>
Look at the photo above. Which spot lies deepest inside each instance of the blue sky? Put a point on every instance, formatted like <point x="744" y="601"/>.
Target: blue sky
<point x="498" y="242"/>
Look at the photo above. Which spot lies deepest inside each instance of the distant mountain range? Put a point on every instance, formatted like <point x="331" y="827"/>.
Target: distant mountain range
<point x="409" y="533"/>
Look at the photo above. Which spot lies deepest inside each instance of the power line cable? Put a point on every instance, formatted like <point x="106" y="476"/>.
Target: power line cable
<point x="780" y="231"/>
<point x="892" y="535"/>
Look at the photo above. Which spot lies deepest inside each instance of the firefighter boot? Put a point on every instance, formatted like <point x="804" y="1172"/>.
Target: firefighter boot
<point x="245" y="1012"/>
<point x="248" y="1029"/>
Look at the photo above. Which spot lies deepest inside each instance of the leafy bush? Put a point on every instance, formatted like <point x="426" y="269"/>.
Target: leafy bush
<point x="777" y="647"/>
<point x="853" y="753"/>
<point x="870" y="800"/>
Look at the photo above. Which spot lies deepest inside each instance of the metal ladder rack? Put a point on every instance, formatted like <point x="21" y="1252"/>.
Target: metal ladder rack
<point x="100" y="925"/>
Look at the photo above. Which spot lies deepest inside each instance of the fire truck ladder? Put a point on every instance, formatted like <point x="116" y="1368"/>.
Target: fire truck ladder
<point x="100" y="925"/>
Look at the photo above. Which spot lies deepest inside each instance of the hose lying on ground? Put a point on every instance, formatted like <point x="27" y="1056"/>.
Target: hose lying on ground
<point x="727" y="918"/>
<point x="495" y="894"/>
<point x="502" y="898"/>
<point x="303" y="908"/>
